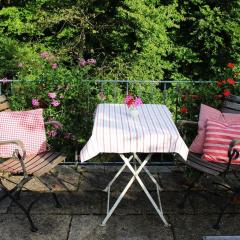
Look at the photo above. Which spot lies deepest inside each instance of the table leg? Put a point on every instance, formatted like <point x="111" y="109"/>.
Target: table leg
<point x="116" y="176"/>
<point x="158" y="187"/>
<point x="159" y="210"/>
<point x="108" y="188"/>
<point x="110" y="212"/>
<point x="148" y="173"/>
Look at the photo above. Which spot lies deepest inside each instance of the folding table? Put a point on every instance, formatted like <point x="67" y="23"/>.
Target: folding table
<point x="115" y="131"/>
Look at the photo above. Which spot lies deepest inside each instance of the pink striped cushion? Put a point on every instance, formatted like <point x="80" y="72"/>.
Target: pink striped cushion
<point x="217" y="139"/>
<point x="206" y="113"/>
<point x="27" y="126"/>
<point x="209" y="113"/>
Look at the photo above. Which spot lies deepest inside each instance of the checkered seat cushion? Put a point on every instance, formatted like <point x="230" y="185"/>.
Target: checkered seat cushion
<point x="26" y="126"/>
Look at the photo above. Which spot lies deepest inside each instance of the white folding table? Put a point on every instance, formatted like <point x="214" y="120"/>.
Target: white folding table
<point x="115" y="131"/>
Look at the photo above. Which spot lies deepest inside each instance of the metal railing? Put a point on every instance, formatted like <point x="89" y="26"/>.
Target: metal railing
<point x="162" y="92"/>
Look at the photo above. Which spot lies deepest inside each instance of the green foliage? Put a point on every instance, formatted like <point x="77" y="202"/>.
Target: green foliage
<point x="149" y="40"/>
<point x="133" y="40"/>
<point x="77" y="100"/>
<point x="8" y="60"/>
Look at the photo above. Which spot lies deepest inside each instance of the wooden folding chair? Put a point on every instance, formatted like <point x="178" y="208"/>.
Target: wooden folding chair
<point x="34" y="166"/>
<point x="222" y="170"/>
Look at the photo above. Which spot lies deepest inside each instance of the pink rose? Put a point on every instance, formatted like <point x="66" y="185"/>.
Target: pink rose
<point x="52" y="133"/>
<point x="35" y="102"/>
<point x="55" y="103"/>
<point x="91" y="61"/>
<point x="82" y="62"/>
<point x="54" y="66"/>
<point x="44" y="55"/>
<point x="52" y="95"/>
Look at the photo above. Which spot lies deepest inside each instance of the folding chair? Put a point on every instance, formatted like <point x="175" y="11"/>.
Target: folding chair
<point x="34" y="166"/>
<point x="220" y="170"/>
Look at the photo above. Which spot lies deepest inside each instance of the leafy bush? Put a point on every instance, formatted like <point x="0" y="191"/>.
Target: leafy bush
<point x="133" y="40"/>
<point x="63" y="94"/>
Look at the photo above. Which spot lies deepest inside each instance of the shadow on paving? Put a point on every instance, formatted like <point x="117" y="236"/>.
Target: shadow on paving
<point x="50" y="227"/>
<point x="84" y="209"/>
<point x="119" y="227"/>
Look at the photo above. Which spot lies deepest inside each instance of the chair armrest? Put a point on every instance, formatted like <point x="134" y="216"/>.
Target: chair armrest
<point x="16" y="142"/>
<point x="16" y="152"/>
<point x="233" y="154"/>
<point x="187" y="129"/>
<point x="56" y="123"/>
<point x="234" y="143"/>
<point x="186" y="122"/>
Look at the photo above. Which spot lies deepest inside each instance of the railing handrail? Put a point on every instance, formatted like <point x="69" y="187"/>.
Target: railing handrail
<point x="118" y="81"/>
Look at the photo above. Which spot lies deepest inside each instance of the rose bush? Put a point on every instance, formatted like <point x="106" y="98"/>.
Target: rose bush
<point x="229" y="83"/>
<point x="63" y="94"/>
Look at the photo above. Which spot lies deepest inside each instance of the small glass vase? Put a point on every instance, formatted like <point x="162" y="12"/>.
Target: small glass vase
<point x="133" y="112"/>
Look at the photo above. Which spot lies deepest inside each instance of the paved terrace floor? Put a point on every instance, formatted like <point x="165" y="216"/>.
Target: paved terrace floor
<point x="84" y="207"/>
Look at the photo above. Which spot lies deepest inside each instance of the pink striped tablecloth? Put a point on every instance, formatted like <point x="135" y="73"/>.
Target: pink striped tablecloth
<point x="115" y="131"/>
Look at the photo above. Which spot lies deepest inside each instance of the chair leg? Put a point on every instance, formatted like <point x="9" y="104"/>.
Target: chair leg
<point x="181" y="205"/>
<point x="229" y="202"/>
<point x="54" y="196"/>
<point x="18" y="193"/>
<point x="27" y="212"/>
<point x="57" y="203"/>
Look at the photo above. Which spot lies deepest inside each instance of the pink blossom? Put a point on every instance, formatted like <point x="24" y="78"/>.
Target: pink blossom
<point x="102" y="96"/>
<point x="52" y="95"/>
<point x="138" y="101"/>
<point x="55" y="103"/>
<point x="128" y="99"/>
<point x="44" y="55"/>
<point x="82" y="62"/>
<point x="61" y="96"/>
<point x="132" y="101"/>
<point x="54" y="66"/>
<point x="5" y="80"/>
<point x="56" y="126"/>
<point x="52" y="133"/>
<point x="91" y="61"/>
<point x="67" y="135"/>
<point x="35" y="102"/>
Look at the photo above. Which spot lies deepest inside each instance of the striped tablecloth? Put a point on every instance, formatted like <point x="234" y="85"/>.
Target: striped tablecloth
<point x="115" y="131"/>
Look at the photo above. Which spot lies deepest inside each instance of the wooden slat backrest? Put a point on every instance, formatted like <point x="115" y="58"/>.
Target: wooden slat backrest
<point x="231" y="104"/>
<point x="4" y="104"/>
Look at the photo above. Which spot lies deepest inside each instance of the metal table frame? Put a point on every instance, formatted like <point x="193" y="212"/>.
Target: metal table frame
<point x="135" y="172"/>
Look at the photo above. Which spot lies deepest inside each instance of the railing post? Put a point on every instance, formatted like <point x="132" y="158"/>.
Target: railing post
<point x="177" y="98"/>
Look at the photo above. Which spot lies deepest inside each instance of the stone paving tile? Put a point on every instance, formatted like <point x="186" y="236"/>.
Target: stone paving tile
<point x="138" y="203"/>
<point x="72" y="203"/>
<point x="66" y="179"/>
<point x="95" y="202"/>
<point x="50" y="227"/>
<point x="118" y="228"/>
<point x="91" y="181"/>
<point x="4" y="205"/>
<point x="172" y="181"/>
<point x="194" y="227"/>
<point x="33" y="184"/>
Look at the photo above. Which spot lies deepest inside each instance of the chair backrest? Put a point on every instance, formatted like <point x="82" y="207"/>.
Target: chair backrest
<point x="231" y="104"/>
<point x="4" y="104"/>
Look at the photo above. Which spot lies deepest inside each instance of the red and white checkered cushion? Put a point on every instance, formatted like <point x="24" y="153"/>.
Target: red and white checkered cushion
<point x="27" y="126"/>
<point x="217" y="139"/>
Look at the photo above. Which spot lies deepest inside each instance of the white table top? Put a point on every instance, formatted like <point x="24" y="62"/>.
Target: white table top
<point x="115" y="131"/>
